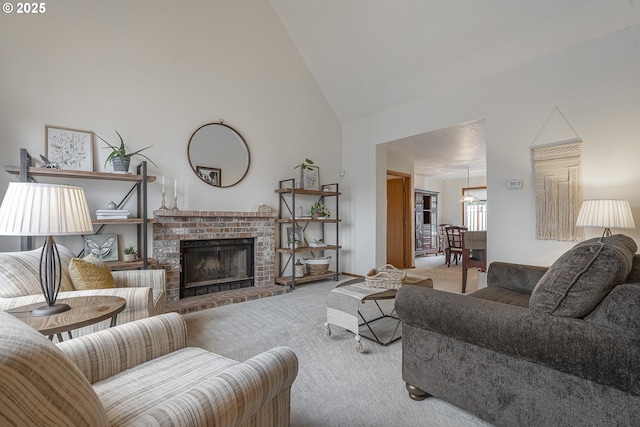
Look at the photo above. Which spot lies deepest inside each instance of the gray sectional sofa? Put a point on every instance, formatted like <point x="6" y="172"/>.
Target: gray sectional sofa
<point x="537" y="346"/>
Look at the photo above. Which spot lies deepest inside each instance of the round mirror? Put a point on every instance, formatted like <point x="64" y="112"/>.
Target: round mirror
<point x="219" y="155"/>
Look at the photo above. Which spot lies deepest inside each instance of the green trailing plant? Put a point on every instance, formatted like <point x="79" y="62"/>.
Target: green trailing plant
<point x="320" y="209"/>
<point x="130" y="250"/>
<point x="121" y="151"/>
<point x="305" y="165"/>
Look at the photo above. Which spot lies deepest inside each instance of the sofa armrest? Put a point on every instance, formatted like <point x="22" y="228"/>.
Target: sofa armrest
<point x="105" y="353"/>
<point x="573" y="346"/>
<point x="154" y="279"/>
<point x="516" y="277"/>
<point x="236" y="394"/>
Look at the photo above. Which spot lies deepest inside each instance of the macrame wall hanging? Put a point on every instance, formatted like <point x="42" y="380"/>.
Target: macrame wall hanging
<point x="558" y="185"/>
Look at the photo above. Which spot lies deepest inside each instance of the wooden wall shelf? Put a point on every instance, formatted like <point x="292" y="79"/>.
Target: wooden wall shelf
<point x="140" y="179"/>
<point x="64" y="173"/>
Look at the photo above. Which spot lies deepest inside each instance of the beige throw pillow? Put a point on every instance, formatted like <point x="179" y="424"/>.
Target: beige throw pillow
<point x="90" y="273"/>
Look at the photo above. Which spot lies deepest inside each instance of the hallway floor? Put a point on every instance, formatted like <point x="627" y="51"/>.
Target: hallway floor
<point x="445" y="278"/>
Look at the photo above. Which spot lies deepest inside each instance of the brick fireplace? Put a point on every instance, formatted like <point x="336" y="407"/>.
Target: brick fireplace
<point x="173" y="227"/>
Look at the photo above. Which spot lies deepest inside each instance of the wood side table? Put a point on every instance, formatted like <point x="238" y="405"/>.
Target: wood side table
<point x="85" y="311"/>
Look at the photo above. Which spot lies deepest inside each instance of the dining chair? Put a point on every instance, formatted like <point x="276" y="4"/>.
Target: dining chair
<point x="442" y="238"/>
<point x="474" y="253"/>
<point x="454" y="243"/>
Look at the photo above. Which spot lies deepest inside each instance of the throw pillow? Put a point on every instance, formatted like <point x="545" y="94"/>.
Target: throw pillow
<point x="90" y="273"/>
<point x="20" y="272"/>
<point x="580" y="279"/>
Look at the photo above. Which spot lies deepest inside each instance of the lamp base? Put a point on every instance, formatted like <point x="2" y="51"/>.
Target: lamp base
<point x="49" y="310"/>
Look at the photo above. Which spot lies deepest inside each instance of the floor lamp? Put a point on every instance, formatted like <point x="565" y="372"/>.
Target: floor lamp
<point x="35" y="209"/>
<point x="605" y="214"/>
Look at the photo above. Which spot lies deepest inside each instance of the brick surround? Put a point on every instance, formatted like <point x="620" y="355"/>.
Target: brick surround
<point x="172" y="227"/>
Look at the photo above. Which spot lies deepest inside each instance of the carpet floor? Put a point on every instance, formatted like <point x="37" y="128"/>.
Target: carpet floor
<point x="336" y="386"/>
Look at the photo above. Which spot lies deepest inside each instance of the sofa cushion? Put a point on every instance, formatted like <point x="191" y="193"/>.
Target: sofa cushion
<point x="19" y="275"/>
<point x="90" y="273"/>
<point x="578" y="281"/>
<point x="178" y="375"/>
<point x="502" y="295"/>
<point x="619" y="310"/>
<point x="40" y="384"/>
<point x="634" y="275"/>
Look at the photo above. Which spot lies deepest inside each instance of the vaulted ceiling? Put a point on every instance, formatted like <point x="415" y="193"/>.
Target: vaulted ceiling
<point x="371" y="55"/>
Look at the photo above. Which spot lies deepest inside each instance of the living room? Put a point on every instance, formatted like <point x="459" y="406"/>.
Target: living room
<point x="157" y="71"/>
<point x="141" y="73"/>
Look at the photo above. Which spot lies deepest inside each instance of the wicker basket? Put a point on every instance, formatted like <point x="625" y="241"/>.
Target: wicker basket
<point x="317" y="266"/>
<point x="387" y="277"/>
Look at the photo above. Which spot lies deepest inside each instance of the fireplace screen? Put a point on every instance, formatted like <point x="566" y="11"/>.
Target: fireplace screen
<point x="215" y="265"/>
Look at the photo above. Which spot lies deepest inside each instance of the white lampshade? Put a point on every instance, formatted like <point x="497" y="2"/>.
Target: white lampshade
<point x="35" y="209"/>
<point x="605" y="214"/>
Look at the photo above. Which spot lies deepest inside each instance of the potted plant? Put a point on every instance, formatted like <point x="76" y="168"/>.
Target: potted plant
<point x="320" y="211"/>
<point x="304" y="165"/>
<point x="130" y="253"/>
<point x="119" y="157"/>
<point x="293" y="244"/>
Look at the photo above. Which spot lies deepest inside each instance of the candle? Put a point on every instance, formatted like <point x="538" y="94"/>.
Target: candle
<point x="175" y="188"/>
<point x="162" y="184"/>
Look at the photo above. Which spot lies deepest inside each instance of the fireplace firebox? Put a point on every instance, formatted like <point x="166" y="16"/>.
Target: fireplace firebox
<point x="216" y="265"/>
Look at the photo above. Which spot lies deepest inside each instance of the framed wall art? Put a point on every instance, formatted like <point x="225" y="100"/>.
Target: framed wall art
<point x="69" y="148"/>
<point x="209" y="175"/>
<point x="294" y="235"/>
<point x="104" y="246"/>
<point x="311" y="178"/>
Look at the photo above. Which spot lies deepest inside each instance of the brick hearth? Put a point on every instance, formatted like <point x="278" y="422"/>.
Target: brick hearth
<point x="172" y="227"/>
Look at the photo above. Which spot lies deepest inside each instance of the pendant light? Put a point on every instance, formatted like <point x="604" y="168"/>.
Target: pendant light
<point x="468" y="197"/>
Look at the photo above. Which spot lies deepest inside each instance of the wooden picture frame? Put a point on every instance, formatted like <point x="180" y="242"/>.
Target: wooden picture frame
<point x="69" y="148"/>
<point x="212" y="176"/>
<point x="295" y="233"/>
<point x="311" y="178"/>
<point x="103" y="246"/>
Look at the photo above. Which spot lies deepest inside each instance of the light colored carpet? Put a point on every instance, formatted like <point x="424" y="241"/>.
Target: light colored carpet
<point x="444" y="278"/>
<point x="336" y="386"/>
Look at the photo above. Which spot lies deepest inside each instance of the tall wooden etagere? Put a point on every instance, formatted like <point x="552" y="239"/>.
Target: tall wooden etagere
<point x="289" y="196"/>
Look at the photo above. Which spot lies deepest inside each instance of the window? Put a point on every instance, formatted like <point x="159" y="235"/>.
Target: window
<point x="475" y="213"/>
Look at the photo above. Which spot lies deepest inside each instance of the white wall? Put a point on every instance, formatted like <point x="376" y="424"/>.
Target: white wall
<point x="156" y="71"/>
<point x="596" y="85"/>
<point x="449" y="209"/>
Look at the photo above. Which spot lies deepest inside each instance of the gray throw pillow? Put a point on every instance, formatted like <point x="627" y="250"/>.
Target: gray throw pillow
<point x="576" y="283"/>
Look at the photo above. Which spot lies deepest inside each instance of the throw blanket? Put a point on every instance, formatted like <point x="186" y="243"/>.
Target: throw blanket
<point x="343" y="303"/>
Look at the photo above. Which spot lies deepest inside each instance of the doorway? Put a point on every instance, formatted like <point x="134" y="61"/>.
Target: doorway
<point x="399" y="237"/>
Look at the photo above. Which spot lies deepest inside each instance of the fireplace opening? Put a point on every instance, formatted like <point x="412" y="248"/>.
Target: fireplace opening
<point x="216" y="265"/>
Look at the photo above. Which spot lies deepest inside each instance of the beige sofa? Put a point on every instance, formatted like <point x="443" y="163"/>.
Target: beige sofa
<point x="144" y="290"/>
<point x="139" y="373"/>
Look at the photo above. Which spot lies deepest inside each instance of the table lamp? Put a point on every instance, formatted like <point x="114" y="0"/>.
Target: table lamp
<point x="605" y="213"/>
<point x="35" y="209"/>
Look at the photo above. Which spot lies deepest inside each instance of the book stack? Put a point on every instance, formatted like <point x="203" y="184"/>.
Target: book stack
<point x="112" y="214"/>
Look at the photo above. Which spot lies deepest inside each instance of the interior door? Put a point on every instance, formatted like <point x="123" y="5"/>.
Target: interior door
<point x="399" y="241"/>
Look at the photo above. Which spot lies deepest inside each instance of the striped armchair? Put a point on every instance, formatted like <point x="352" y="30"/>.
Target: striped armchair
<point x="139" y="373"/>
<point x="144" y="290"/>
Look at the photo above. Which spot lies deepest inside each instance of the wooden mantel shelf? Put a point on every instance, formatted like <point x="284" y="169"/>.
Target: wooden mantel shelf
<point x="170" y="213"/>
